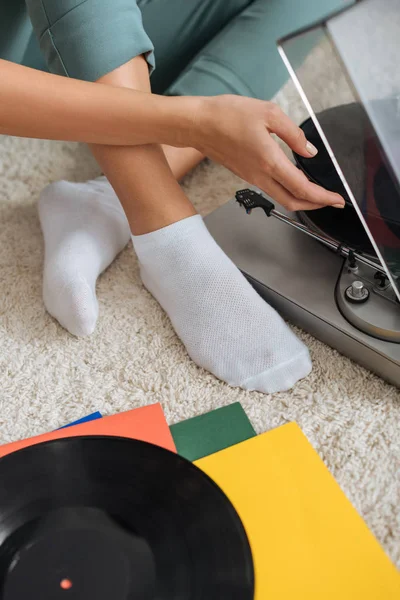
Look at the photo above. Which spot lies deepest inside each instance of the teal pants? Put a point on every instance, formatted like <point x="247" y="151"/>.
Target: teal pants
<point x="201" y="47"/>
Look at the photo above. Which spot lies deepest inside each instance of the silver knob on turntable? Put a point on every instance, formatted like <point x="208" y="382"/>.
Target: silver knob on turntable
<point x="357" y="292"/>
<point x="357" y="289"/>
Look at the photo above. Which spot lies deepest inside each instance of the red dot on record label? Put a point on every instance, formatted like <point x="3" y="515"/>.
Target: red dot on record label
<point x="66" y="584"/>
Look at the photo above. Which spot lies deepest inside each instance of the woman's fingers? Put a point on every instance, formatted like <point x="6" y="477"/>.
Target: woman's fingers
<point x="286" y="199"/>
<point x="280" y="124"/>
<point x="290" y="177"/>
<point x="236" y="132"/>
<point x="284" y="171"/>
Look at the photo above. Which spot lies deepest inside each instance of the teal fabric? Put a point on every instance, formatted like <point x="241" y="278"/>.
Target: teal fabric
<point x="179" y="30"/>
<point x="15" y="30"/>
<point x="243" y="58"/>
<point x="33" y="57"/>
<point x="86" y="39"/>
<point x="202" y="47"/>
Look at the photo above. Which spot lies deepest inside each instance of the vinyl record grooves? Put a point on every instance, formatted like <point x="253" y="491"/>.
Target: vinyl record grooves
<point x="110" y="518"/>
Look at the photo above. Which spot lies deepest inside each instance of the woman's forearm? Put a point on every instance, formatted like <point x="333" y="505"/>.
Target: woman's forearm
<point x="39" y="105"/>
<point x="231" y="130"/>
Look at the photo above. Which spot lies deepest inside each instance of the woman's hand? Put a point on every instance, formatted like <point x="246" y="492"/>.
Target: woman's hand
<point x="236" y="132"/>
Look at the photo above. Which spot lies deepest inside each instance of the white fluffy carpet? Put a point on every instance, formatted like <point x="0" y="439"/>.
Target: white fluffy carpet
<point x="134" y="358"/>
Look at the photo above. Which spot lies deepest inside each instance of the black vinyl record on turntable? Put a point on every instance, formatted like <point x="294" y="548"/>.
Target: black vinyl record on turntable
<point x="108" y="518"/>
<point x="350" y="136"/>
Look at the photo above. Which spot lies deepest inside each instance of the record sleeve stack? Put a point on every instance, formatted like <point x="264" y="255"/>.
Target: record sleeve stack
<point x="125" y="507"/>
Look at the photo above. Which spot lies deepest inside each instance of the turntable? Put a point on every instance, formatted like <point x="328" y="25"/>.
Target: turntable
<point x="336" y="273"/>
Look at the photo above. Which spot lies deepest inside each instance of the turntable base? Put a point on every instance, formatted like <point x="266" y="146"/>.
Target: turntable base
<point x="298" y="276"/>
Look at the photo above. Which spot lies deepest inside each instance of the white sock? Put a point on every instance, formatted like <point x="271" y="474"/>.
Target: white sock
<point x="226" y="326"/>
<point x="84" y="228"/>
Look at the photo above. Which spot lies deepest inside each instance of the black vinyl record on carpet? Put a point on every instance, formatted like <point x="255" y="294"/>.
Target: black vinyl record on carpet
<point x="108" y="518"/>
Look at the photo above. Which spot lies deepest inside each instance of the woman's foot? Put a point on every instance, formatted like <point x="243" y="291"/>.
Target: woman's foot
<point x="84" y="228"/>
<point x="226" y="326"/>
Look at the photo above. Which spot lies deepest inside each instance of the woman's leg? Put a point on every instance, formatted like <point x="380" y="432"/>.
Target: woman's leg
<point x="224" y="324"/>
<point x="182" y="160"/>
<point x="86" y="40"/>
<point x="179" y="30"/>
<point x="150" y="202"/>
<point x="84" y="225"/>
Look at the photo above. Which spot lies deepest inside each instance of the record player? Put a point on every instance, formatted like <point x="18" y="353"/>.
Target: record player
<point x="336" y="273"/>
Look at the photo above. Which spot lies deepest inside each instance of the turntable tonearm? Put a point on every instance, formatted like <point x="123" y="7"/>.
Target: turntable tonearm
<point x="336" y="273"/>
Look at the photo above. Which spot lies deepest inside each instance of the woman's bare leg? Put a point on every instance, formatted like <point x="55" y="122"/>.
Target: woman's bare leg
<point x="182" y="160"/>
<point x="141" y="176"/>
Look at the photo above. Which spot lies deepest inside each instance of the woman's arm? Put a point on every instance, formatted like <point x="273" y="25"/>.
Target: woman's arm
<point x="39" y="105"/>
<point x="231" y="130"/>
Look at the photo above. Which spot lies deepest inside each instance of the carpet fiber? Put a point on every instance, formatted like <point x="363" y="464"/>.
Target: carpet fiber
<point x="49" y="378"/>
